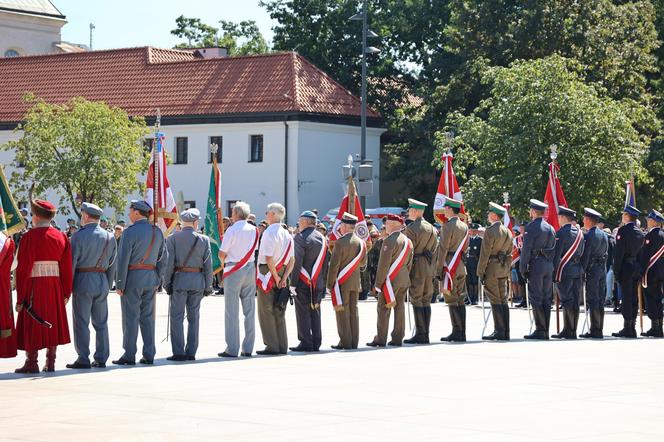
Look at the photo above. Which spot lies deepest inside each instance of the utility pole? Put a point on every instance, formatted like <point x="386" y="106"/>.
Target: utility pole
<point x="92" y="27"/>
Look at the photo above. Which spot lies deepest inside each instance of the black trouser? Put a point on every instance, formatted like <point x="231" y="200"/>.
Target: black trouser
<point x="472" y="280"/>
<point x="653" y="297"/>
<point x="629" y="291"/>
<point x="308" y="319"/>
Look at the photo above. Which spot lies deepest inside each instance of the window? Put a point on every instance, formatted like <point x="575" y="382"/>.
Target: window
<point x="219" y="141"/>
<point x="11" y="53"/>
<point x="256" y="149"/>
<point x="181" y="148"/>
<point x="229" y="206"/>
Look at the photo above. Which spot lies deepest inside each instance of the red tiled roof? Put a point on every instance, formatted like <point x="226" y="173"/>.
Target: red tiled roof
<point x="177" y="82"/>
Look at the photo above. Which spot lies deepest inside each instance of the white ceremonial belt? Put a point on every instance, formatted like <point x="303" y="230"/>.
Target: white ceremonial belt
<point x="41" y="269"/>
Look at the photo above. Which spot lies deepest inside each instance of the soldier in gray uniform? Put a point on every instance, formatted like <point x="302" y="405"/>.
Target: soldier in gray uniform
<point x="187" y="278"/>
<point x="536" y="266"/>
<point x="93" y="259"/>
<point x="140" y="266"/>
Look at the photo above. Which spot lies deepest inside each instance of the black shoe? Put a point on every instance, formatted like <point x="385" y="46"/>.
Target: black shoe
<point x="97" y="364"/>
<point x="245" y="355"/>
<point x="226" y="355"/>
<point x="267" y="353"/>
<point x="394" y="344"/>
<point x="145" y="361"/>
<point x="191" y="358"/>
<point x="458" y="319"/>
<point x="301" y="349"/>
<point x="123" y="361"/>
<point x="338" y="347"/>
<point x="374" y="344"/>
<point x="177" y="358"/>
<point x="628" y="331"/>
<point x="78" y="366"/>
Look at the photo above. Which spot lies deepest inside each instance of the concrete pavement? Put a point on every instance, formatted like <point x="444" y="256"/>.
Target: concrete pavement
<point x="609" y="390"/>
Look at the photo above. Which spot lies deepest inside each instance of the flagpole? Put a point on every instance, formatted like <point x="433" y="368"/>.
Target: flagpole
<point x="155" y="162"/>
<point x="554" y="155"/>
<point x="351" y="188"/>
<point x="217" y="191"/>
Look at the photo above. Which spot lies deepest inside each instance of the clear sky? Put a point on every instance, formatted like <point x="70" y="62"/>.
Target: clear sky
<point x="128" y="23"/>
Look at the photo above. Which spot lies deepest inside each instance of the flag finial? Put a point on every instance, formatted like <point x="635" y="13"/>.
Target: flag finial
<point x="449" y="138"/>
<point x="157" y="121"/>
<point x="554" y="152"/>
<point x="506" y="197"/>
<point x="214" y="148"/>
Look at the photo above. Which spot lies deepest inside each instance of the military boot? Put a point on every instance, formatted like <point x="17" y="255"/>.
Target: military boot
<point x="30" y="365"/>
<point x="595" y="330"/>
<point x="426" y="323"/>
<point x="655" y="330"/>
<point x="541" y="326"/>
<point x="418" y="337"/>
<point x="570" y="315"/>
<point x="628" y="331"/>
<point x="458" y="319"/>
<point x="498" y="324"/>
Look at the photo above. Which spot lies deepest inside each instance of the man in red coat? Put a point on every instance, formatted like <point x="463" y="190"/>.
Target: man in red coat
<point x="43" y="288"/>
<point x="7" y="331"/>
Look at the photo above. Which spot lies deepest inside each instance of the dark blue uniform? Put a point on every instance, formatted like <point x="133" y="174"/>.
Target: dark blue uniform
<point x="594" y="259"/>
<point x="654" y="291"/>
<point x="536" y="265"/>
<point x="629" y="241"/>
<point x="569" y="277"/>
<point x="473" y="257"/>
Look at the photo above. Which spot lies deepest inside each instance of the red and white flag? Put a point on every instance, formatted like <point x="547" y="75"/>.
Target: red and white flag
<point x="361" y="228"/>
<point x="167" y="212"/>
<point x="448" y="187"/>
<point x="554" y="196"/>
<point x="507" y="220"/>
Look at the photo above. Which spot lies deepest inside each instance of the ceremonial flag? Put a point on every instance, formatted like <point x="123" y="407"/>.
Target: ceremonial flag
<point x="361" y="228"/>
<point x="554" y="196"/>
<point x="166" y="210"/>
<point x="630" y="193"/>
<point x="214" y="215"/>
<point x="507" y="220"/>
<point x="11" y="220"/>
<point x="447" y="187"/>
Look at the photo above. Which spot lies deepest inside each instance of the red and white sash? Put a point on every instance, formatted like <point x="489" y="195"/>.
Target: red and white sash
<point x="387" y="290"/>
<point x="569" y="254"/>
<point x="310" y="280"/>
<point x="653" y="260"/>
<point x="451" y="267"/>
<point x="266" y="282"/>
<point x="344" y="274"/>
<point x="228" y="271"/>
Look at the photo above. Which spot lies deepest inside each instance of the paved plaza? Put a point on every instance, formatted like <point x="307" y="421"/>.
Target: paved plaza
<point x="609" y="390"/>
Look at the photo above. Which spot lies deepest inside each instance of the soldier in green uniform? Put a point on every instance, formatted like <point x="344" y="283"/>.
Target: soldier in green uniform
<point x="392" y="282"/>
<point x="493" y="270"/>
<point x="424" y="238"/>
<point x="451" y="269"/>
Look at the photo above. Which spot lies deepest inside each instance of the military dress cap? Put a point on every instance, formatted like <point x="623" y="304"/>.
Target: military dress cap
<point x="121" y="222"/>
<point x="415" y="204"/>
<point x="566" y="211"/>
<point x="497" y="208"/>
<point x="656" y="216"/>
<point x="451" y="202"/>
<point x="347" y="218"/>
<point x="190" y="215"/>
<point x="140" y="205"/>
<point x="397" y="218"/>
<point x="592" y="213"/>
<point x="308" y="214"/>
<point x="632" y="210"/>
<point x="92" y="209"/>
<point x="537" y="204"/>
<point x="475" y="226"/>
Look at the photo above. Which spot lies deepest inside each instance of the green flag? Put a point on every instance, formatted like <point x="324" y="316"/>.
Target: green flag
<point x="11" y="220"/>
<point x="213" y="215"/>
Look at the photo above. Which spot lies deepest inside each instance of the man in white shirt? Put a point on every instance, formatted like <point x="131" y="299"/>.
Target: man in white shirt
<point x="276" y="258"/>
<point x="237" y="260"/>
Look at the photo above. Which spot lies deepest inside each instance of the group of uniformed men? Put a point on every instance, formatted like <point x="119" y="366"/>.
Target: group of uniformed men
<point x="411" y="257"/>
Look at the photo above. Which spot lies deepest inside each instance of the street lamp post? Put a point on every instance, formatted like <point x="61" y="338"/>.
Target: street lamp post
<point x="363" y="95"/>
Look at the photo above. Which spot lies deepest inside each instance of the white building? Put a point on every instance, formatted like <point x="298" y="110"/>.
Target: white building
<point x="30" y="27"/>
<point x="285" y="128"/>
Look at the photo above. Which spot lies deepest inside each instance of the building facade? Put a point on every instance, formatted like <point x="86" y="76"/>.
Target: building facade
<point x="284" y="128"/>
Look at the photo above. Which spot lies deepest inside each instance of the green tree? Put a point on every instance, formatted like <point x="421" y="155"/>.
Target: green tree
<point x="242" y="38"/>
<point x="79" y="149"/>
<point x="504" y="143"/>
